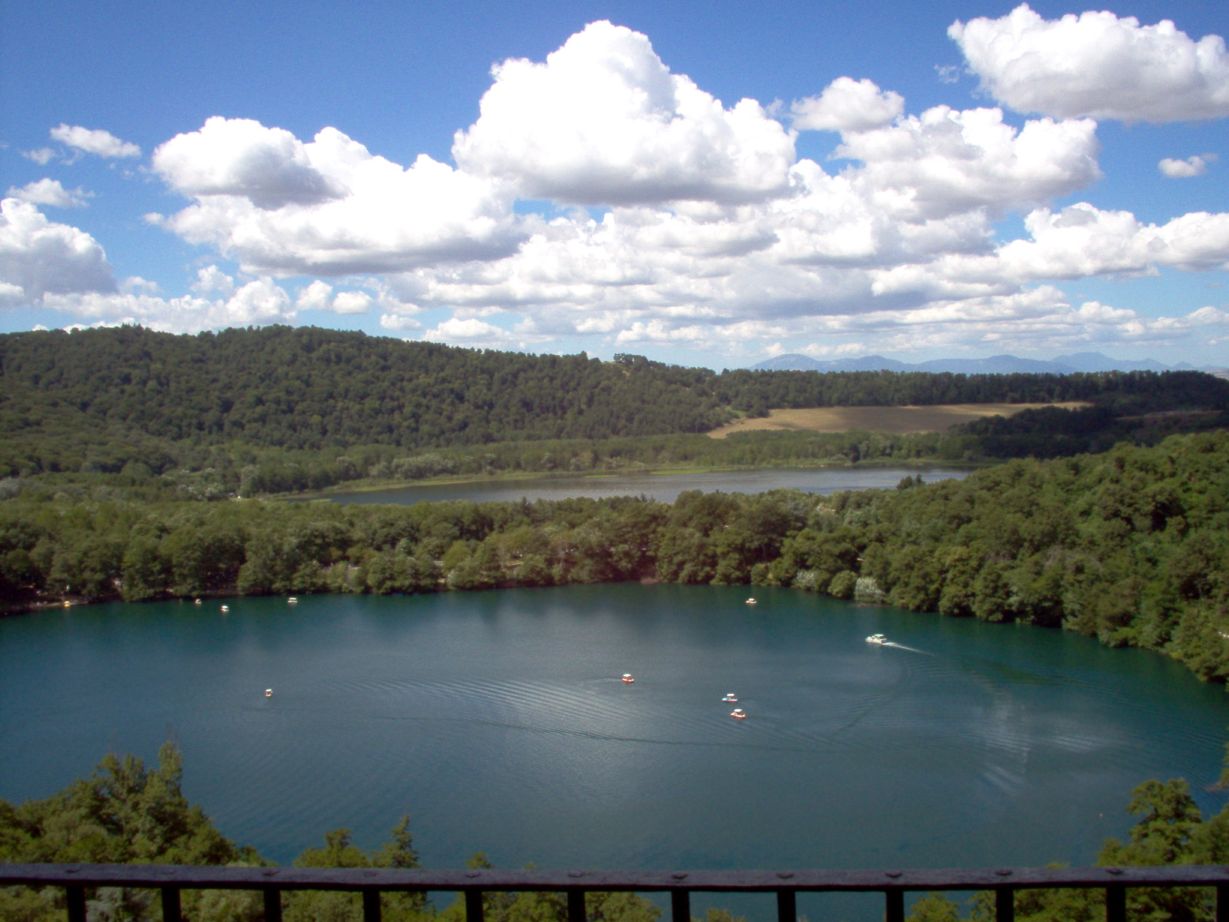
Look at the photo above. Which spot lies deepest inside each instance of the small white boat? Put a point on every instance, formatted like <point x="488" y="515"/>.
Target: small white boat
<point x="730" y="698"/>
<point x="196" y="601"/>
<point x="293" y="600"/>
<point x="268" y="693"/>
<point x="738" y="714"/>
<point x="877" y="639"/>
<point x="225" y="609"/>
<point x="751" y="601"/>
<point x="628" y="678"/>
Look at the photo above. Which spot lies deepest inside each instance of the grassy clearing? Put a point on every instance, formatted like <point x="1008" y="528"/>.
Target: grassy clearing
<point x="896" y="420"/>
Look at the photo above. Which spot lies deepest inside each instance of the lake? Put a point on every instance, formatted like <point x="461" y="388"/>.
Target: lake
<point x="661" y="487"/>
<point x="499" y="722"/>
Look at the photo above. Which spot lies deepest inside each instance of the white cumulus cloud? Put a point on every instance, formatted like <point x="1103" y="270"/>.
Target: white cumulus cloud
<point x="241" y="157"/>
<point x="352" y="302"/>
<point x="317" y="296"/>
<point x="847" y="105"/>
<point x="95" y="141"/>
<point x="1082" y="240"/>
<point x="1186" y="169"/>
<point x="328" y="206"/>
<point x="49" y="192"/>
<point x="604" y="121"/>
<point x="211" y="279"/>
<point x="1098" y="65"/>
<point x="946" y="161"/>
<point x="38" y="256"/>
<point x="260" y="301"/>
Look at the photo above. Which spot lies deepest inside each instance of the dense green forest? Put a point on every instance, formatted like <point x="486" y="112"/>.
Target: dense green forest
<point x="126" y="812"/>
<point x="282" y="409"/>
<point x="1130" y="546"/>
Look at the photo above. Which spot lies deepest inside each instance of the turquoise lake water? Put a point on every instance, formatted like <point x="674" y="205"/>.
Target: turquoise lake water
<point x="498" y="721"/>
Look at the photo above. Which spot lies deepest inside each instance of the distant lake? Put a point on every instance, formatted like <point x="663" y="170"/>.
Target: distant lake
<point x="661" y="487"/>
<point x="498" y="721"/>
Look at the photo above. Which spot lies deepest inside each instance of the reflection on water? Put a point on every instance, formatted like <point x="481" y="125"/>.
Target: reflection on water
<point x="661" y="487"/>
<point x="499" y="722"/>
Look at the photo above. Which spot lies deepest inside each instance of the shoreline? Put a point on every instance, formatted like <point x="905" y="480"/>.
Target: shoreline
<point x="368" y="485"/>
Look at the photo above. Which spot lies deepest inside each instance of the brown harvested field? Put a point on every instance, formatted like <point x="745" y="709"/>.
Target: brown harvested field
<point x="881" y="419"/>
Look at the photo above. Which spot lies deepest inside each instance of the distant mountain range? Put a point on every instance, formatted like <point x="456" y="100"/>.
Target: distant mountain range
<point x="995" y="364"/>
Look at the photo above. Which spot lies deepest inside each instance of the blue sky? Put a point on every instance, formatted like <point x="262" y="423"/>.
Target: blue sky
<point x="708" y="184"/>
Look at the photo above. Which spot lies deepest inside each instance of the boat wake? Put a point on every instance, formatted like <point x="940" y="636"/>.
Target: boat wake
<point x="880" y="640"/>
<point x="901" y="646"/>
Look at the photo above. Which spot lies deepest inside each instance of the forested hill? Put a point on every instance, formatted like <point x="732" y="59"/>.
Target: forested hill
<point x="309" y="388"/>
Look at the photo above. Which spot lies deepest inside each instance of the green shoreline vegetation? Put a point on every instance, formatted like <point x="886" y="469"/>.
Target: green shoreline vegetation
<point x="372" y="485"/>
<point x="1130" y="546"/>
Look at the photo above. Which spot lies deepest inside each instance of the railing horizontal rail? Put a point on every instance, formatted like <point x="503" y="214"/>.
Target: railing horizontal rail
<point x="806" y="880"/>
<point x="894" y="884"/>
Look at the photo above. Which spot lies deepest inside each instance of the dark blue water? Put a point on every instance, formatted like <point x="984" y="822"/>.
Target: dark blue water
<point x="498" y="721"/>
<point x="661" y="487"/>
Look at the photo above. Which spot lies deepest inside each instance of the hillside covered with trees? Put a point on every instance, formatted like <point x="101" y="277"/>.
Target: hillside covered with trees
<point x="282" y="409"/>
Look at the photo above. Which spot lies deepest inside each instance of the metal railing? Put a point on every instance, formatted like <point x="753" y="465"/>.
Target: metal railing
<point x="1004" y="883"/>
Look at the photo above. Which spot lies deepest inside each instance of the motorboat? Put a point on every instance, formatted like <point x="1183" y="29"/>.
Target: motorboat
<point x="877" y="639"/>
<point x="628" y="678"/>
<point x="293" y="600"/>
<point x="751" y="601"/>
<point x="730" y="698"/>
<point x="224" y="609"/>
<point x="738" y="714"/>
<point x="268" y="693"/>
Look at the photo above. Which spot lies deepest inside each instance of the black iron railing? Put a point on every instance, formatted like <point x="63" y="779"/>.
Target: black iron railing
<point x="170" y="880"/>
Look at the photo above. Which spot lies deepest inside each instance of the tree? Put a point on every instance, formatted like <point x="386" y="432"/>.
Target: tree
<point x="124" y="812"/>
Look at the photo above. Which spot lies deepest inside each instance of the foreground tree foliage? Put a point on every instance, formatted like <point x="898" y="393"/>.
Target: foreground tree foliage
<point x="1130" y="546"/>
<point x="1169" y="830"/>
<point x="124" y="813"/>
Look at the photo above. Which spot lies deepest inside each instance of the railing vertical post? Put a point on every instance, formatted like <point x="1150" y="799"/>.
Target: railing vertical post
<point x="273" y="904"/>
<point x="680" y="906"/>
<point x="787" y="906"/>
<point x="1005" y="905"/>
<point x="576" y="906"/>
<point x="1115" y="903"/>
<point x="171" y="911"/>
<point x="1222" y="903"/>
<point x="75" y="897"/>
<point x="473" y="906"/>
<point x="371" y="906"/>
<point x="894" y="906"/>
